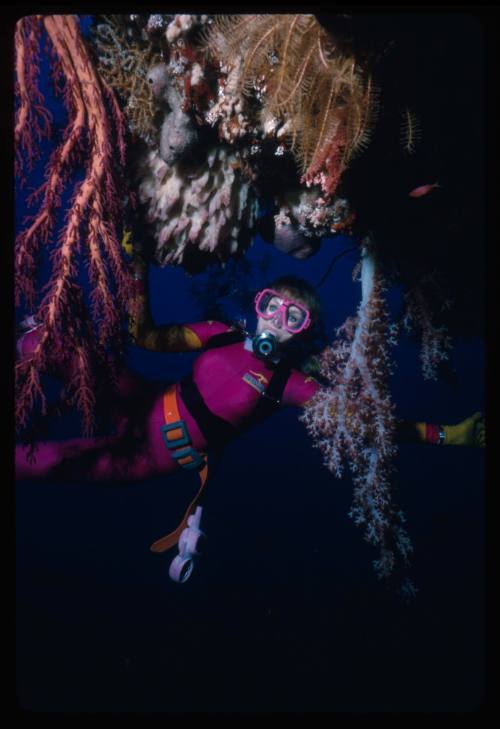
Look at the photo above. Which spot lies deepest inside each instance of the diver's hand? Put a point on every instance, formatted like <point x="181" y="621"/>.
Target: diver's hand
<point x="133" y="251"/>
<point x="470" y="432"/>
<point x="127" y="243"/>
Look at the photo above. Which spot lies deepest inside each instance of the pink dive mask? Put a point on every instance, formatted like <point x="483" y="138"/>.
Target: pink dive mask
<point x="292" y="316"/>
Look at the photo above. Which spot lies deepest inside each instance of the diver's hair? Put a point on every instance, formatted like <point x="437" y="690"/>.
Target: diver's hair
<point x="304" y="347"/>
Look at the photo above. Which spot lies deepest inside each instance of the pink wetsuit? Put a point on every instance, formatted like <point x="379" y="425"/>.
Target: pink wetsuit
<point x="230" y="379"/>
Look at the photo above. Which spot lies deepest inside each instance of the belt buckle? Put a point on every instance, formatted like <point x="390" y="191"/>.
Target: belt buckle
<point x="173" y="445"/>
<point x="196" y="464"/>
<point x="176" y="442"/>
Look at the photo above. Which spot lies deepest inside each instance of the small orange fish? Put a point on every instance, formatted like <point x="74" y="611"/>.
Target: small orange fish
<point x="423" y="190"/>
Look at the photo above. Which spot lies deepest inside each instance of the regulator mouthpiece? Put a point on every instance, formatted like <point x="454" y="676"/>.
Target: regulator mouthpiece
<point x="265" y="345"/>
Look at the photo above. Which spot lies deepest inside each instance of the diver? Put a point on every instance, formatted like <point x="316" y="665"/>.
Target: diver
<point x="239" y="379"/>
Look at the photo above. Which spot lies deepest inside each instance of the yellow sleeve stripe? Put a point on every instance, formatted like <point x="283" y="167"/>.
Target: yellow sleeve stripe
<point x="421" y="430"/>
<point x="191" y="338"/>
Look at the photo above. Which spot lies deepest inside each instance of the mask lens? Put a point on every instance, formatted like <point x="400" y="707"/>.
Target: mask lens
<point x="296" y="317"/>
<point x="268" y="304"/>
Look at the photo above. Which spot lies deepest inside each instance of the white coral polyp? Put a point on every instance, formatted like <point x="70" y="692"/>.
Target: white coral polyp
<point x="212" y="208"/>
<point x="183" y="23"/>
<point x="313" y="215"/>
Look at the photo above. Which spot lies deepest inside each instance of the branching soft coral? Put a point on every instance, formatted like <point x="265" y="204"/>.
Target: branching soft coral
<point x="353" y="419"/>
<point x="124" y="62"/>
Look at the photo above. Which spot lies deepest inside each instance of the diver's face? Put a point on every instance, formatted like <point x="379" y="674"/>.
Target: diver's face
<point x="275" y="327"/>
<point x="273" y="321"/>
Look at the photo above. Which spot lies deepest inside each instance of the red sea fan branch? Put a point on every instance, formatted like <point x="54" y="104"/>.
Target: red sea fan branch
<point x="118" y="121"/>
<point x="102" y="298"/>
<point x="33" y="120"/>
<point x="96" y="128"/>
<point x="83" y="388"/>
<point x="28" y="390"/>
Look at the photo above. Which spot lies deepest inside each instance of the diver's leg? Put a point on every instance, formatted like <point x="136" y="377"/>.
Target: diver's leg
<point x="137" y="452"/>
<point x="91" y="459"/>
<point x="48" y="455"/>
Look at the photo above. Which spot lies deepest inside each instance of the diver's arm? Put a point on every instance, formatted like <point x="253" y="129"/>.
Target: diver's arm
<point x="469" y="432"/>
<point x="142" y="329"/>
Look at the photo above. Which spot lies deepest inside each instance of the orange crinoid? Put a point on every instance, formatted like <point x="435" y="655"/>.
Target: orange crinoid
<point x="305" y="80"/>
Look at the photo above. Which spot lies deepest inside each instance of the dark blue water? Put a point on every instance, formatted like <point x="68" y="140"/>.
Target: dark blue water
<point x="283" y="612"/>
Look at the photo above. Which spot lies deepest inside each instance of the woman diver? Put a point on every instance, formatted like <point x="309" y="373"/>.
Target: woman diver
<point x="237" y="381"/>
